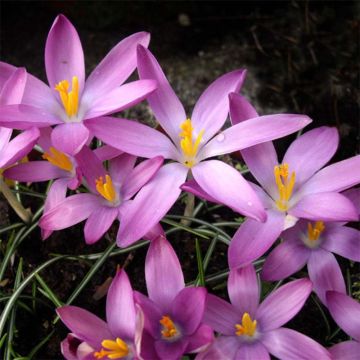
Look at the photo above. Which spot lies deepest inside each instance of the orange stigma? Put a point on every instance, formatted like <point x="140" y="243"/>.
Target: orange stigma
<point x="69" y="99"/>
<point x="285" y="185"/>
<point x="315" y="231"/>
<point x="106" y="189"/>
<point x="247" y="327"/>
<point x="59" y="159"/>
<point x="112" y="349"/>
<point x="169" y="329"/>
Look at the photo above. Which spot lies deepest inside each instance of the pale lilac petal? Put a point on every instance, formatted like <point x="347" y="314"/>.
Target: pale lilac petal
<point x="311" y="151"/>
<point x="140" y="175"/>
<point x="119" y="98"/>
<point x="265" y="199"/>
<point x="227" y="186"/>
<point x="64" y="57"/>
<point x="163" y="274"/>
<point x="283" y="304"/>
<point x="99" y="222"/>
<point x="188" y="308"/>
<point x="243" y="289"/>
<point x="171" y="350"/>
<point x="85" y="352"/>
<point x="252" y="351"/>
<point x="44" y="140"/>
<point x="156" y="231"/>
<point x="224" y="348"/>
<point x="212" y="108"/>
<point x="132" y="137"/>
<point x="320" y="207"/>
<point x="193" y="187"/>
<point x="120" y="307"/>
<point x="285" y="260"/>
<point x="166" y="106"/>
<point x="5" y="135"/>
<point x="343" y="241"/>
<point x="252" y="132"/>
<point x="68" y="347"/>
<point x="203" y="336"/>
<point x="221" y="315"/>
<point x="85" y="325"/>
<point x="240" y="109"/>
<point x="253" y="239"/>
<point x="120" y="167"/>
<point x="69" y="138"/>
<point x="354" y="196"/>
<point x="107" y="152"/>
<point x="347" y="350"/>
<point x="291" y="345"/>
<point x="336" y="177"/>
<point x="13" y="89"/>
<point x="71" y="211"/>
<point x="116" y="67"/>
<point x="325" y="273"/>
<point x="151" y="203"/>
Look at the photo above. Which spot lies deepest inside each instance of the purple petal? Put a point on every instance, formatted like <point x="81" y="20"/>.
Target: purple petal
<point x="85" y="325"/>
<point x="13" y="89"/>
<point x="311" y="151"/>
<point x="325" y="273"/>
<point x="99" y="222"/>
<point x="171" y="350"/>
<point x="212" y="108"/>
<point x="291" y="345"/>
<point x="69" y="347"/>
<point x="193" y="187"/>
<point x="132" y="137"/>
<point x="252" y="132"/>
<point x="116" y="67"/>
<point x="120" y="307"/>
<point x="240" y="109"/>
<point x="347" y="350"/>
<point x="228" y="187"/>
<point x="164" y="277"/>
<point x="121" y="166"/>
<point x="224" y="348"/>
<point x="154" y="232"/>
<point x="167" y="108"/>
<point x="70" y="137"/>
<point x="283" y="304"/>
<point x="320" y="207"/>
<point x="5" y="135"/>
<point x="64" y="57"/>
<point x="354" y="196"/>
<point x="151" y="203"/>
<point x="253" y="239"/>
<point x="203" y="336"/>
<point x="107" y="152"/>
<point x="243" y="289"/>
<point x="252" y="351"/>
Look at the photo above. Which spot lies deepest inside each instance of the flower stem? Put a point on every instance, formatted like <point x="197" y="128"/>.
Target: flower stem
<point x="189" y="209"/>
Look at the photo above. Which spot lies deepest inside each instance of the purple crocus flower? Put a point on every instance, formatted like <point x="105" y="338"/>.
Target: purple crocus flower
<point x="92" y="338"/>
<point x="346" y="312"/>
<point x="109" y="197"/>
<point x="250" y="330"/>
<point x="70" y="101"/>
<point x="190" y="142"/>
<point x="173" y="314"/>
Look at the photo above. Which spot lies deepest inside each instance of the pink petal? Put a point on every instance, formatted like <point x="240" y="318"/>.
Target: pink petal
<point x="5" y="135"/>
<point x="223" y="347"/>
<point x="253" y="239"/>
<point x="64" y="57"/>
<point x="240" y="109"/>
<point x="289" y="344"/>
<point x="252" y="351"/>
<point x="325" y="273"/>
<point x="212" y="108"/>
<point x="354" y="196"/>
<point x="228" y="187"/>
<point x="121" y="167"/>
<point x="13" y="89"/>
<point x="347" y="350"/>
<point x="193" y="187"/>
<point x="171" y="350"/>
<point x="107" y="152"/>
<point x="167" y="108"/>
<point x="154" y="232"/>
<point x="164" y="277"/>
<point x="69" y="347"/>
<point x="203" y="336"/>
<point x="151" y="203"/>
<point x="283" y="304"/>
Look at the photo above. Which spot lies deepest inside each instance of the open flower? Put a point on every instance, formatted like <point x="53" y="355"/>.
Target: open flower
<point x="190" y="142"/>
<point x="70" y="101"/>
<point x="92" y="338"/>
<point x="173" y="314"/>
<point x="250" y="330"/>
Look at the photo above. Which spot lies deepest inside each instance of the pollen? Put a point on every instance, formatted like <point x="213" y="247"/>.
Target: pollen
<point x="169" y="329"/>
<point x="285" y="185"/>
<point x="247" y="327"/>
<point x="106" y="189"/>
<point x="112" y="349"/>
<point x="69" y="99"/>
<point x="59" y="159"/>
<point x="315" y="231"/>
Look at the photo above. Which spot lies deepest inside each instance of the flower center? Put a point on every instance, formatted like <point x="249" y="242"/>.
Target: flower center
<point x="112" y="349"/>
<point x="106" y="189"/>
<point x="69" y="99"/>
<point x="247" y="327"/>
<point x="315" y="231"/>
<point x="188" y="146"/>
<point x="285" y="185"/>
<point x="169" y="329"/>
<point x="58" y="159"/>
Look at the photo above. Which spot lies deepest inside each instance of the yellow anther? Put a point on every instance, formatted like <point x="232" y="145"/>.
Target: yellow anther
<point x="114" y="349"/>
<point x="285" y="185"/>
<point x="69" y="99"/>
<point x="58" y="159"/>
<point x="188" y="146"/>
<point x="247" y="327"/>
<point x="169" y="328"/>
<point x="106" y="190"/>
<point x="315" y="231"/>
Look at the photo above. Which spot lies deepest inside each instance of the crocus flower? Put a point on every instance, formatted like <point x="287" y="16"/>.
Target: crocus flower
<point x="92" y="338"/>
<point x="69" y="101"/>
<point x="109" y="197"/>
<point x="250" y="330"/>
<point x="189" y="143"/>
<point x="346" y="312"/>
<point x="173" y="314"/>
